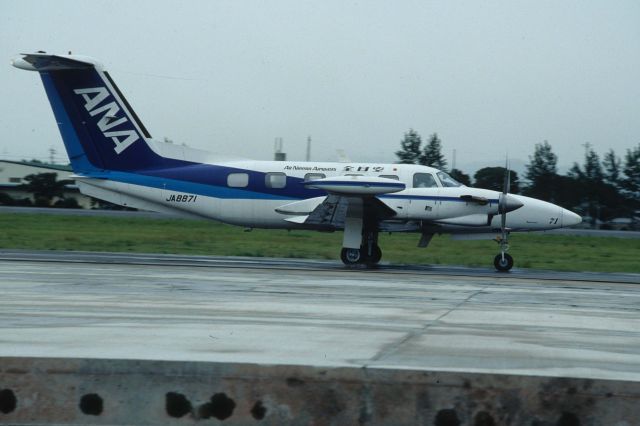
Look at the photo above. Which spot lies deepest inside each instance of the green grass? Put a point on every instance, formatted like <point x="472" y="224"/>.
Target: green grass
<point x="49" y="232"/>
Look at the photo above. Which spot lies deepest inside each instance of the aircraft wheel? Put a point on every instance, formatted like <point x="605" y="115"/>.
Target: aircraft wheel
<point x="503" y="265"/>
<point x="375" y="256"/>
<point x="350" y="256"/>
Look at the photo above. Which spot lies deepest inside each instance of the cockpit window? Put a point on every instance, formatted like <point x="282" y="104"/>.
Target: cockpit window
<point x="448" y="181"/>
<point x="424" y="180"/>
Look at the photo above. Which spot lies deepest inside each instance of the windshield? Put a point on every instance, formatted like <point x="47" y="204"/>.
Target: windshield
<point x="448" y="181"/>
<point x="424" y="180"/>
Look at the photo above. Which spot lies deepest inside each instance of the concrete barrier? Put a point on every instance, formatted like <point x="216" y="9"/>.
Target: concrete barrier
<point x="124" y="392"/>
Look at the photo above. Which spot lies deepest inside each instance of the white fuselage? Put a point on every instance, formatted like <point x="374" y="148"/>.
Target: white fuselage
<point x="242" y="203"/>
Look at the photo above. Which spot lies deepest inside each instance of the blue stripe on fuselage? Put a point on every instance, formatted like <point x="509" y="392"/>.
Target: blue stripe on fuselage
<point x="208" y="190"/>
<point x="293" y="191"/>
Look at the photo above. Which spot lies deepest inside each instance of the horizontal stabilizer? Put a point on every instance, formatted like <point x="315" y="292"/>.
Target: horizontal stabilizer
<point x="44" y="62"/>
<point x="357" y="185"/>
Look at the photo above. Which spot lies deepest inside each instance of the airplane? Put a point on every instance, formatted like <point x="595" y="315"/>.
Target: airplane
<point x="114" y="158"/>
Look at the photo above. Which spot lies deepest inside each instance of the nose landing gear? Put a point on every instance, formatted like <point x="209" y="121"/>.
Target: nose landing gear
<point x="503" y="262"/>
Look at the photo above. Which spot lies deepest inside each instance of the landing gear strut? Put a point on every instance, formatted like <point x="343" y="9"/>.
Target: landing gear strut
<point x="374" y="257"/>
<point x="370" y="249"/>
<point x="503" y="262"/>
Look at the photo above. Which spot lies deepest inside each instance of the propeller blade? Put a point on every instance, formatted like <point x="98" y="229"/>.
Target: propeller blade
<point x="507" y="177"/>
<point x="503" y="219"/>
<point x="503" y="200"/>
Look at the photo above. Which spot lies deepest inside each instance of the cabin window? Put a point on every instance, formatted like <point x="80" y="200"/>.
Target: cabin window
<point x="275" y="180"/>
<point x="238" y="180"/>
<point x="424" y="180"/>
<point x="15" y="179"/>
<point x="394" y="177"/>
<point x="314" y="176"/>
<point x="448" y="181"/>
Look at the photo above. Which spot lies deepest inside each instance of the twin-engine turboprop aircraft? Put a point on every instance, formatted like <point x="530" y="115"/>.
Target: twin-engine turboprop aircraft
<point x="115" y="159"/>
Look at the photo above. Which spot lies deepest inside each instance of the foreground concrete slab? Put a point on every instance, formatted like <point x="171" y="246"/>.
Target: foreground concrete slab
<point x="98" y="391"/>
<point x="408" y="343"/>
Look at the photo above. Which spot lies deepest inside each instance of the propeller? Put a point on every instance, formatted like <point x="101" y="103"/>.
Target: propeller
<point x="503" y="203"/>
<point x="504" y="262"/>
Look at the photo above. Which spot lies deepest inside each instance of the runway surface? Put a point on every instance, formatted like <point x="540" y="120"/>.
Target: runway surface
<point x="278" y="311"/>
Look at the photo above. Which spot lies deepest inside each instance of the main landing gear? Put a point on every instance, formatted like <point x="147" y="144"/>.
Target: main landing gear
<point x="369" y="252"/>
<point x="350" y="256"/>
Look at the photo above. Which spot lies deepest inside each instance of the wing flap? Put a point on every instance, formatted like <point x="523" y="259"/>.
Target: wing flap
<point x="303" y="207"/>
<point x="297" y="219"/>
<point x="333" y="210"/>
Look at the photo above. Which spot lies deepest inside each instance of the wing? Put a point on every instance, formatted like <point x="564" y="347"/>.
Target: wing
<point x="333" y="211"/>
<point x="349" y="196"/>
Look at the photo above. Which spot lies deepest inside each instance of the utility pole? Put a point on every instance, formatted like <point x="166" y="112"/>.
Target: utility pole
<point x="308" y="158"/>
<point x="453" y="161"/>
<point x="279" y="155"/>
<point x="52" y="155"/>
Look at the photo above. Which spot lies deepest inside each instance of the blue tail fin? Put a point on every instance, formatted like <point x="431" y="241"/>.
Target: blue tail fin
<point x="99" y="128"/>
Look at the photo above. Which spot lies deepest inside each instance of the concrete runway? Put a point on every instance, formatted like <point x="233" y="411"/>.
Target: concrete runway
<point x="277" y="312"/>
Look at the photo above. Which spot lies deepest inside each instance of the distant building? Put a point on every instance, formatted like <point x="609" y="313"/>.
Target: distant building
<point x="12" y="174"/>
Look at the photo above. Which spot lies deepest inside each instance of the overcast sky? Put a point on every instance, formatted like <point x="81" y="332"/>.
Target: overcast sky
<point x="490" y="78"/>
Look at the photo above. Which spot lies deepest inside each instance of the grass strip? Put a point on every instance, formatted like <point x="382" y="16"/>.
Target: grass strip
<point x="177" y="236"/>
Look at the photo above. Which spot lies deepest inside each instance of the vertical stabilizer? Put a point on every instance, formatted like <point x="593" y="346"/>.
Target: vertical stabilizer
<point x="99" y="128"/>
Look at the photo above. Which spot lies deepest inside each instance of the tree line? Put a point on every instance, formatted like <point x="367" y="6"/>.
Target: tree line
<point x="599" y="189"/>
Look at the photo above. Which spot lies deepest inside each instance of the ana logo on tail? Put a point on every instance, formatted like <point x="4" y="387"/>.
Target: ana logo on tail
<point x="93" y="97"/>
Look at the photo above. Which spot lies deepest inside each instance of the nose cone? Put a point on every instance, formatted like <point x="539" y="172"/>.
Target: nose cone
<point x="569" y="218"/>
